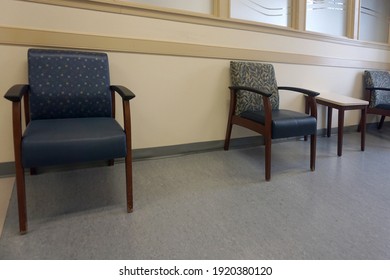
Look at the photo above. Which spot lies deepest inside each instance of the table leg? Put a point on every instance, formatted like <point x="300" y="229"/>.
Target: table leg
<point x="329" y="125"/>
<point x="340" y="133"/>
<point x="363" y="128"/>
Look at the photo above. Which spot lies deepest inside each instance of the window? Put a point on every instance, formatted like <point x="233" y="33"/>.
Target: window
<point x="366" y="20"/>
<point x="277" y="12"/>
<point x="374" y="20"/>
<point x="199" y="6"/>
<point x="327" y="16"/>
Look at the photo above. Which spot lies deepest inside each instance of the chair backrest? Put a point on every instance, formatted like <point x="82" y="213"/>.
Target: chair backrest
<point x="255" y="75"/>
<point x="68" y="84"/>
<point x="378" y="79"/>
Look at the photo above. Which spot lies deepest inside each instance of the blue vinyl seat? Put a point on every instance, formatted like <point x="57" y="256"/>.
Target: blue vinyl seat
<point x="69" y="108"/>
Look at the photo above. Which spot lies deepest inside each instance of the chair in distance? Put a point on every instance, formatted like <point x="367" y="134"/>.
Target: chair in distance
<point x="254" y="104"/>
<point x="377" y="93"/>
<point x="69" y="108"/>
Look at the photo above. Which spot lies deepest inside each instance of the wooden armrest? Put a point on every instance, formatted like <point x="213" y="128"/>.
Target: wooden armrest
<point x="262" y="92"/>
<point x="301" y="90"/>
<point x="124" y="92"/>
<point x="16" y="92"/>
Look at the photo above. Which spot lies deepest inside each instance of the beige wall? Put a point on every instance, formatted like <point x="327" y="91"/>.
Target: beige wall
<point x="179" y="71"/>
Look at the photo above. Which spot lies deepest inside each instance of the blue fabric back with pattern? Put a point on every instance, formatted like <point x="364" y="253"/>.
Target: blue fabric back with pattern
<point x="68" y="84"/>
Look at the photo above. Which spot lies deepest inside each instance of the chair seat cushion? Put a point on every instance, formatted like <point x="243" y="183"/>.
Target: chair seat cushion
<point x="285" y="123"/>
<point x="383" y="106"/>
<point x="62" y="141"/>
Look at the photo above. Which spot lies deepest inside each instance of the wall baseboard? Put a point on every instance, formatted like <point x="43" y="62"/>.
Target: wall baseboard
<point x="7" y="169"/>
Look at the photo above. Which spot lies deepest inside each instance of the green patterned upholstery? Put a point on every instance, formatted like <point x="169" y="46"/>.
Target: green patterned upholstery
<point x="254" y="75"/>
<point x="379" y="79"/>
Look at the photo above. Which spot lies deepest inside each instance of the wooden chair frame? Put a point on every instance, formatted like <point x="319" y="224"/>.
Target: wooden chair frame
<point x="18" y="93"/>
<point x="266" y="128"/>
<point x="376" y="111"/>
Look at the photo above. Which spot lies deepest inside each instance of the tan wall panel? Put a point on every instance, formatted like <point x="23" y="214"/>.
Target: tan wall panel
<point x="44" y="38"/>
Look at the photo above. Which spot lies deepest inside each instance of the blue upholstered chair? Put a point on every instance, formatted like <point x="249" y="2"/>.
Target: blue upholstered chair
<point x="377" y="93"/>
<point x="69" y="109"/>
<point x="254" y="104"/>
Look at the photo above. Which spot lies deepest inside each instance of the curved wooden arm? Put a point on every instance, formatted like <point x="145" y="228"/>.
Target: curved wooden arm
<point x="262" y="92"/>
<point x="301" y="90"/>
<point x="124" y="92"/>
<point x="16" y="92"/>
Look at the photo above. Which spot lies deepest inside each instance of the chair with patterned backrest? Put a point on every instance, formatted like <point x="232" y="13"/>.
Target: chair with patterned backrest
<point x="254" y="104"/>
<point x="69" y="108"/>
<point x="377" y="93"/>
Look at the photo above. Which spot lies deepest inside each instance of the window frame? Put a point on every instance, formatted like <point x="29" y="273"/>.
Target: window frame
<point x="268" y="10"/>
<point x="221" y="18"/>
<point x="358" y="35"/>
<point x="345" y="25"/>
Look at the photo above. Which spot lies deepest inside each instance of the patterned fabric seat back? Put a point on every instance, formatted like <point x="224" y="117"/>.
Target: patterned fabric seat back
<point x="256" y="75"/>
<point x="378" y="79"/>
<point x="68" y="84"/>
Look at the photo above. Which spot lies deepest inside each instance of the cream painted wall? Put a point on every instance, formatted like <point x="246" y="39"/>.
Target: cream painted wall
<point x="179" y="99"/>
<point x="12" y="71"/>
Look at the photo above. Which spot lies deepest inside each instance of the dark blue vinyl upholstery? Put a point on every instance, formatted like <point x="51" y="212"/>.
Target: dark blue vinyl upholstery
<point x="70" y="110"/>
<point x="62" y="141"/>
<point x="285" y="123"/>
<point x="383" y="106"/>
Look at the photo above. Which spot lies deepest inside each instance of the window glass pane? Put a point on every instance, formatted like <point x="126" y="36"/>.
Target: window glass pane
<point x="327" y="16"/>
<point x="374" y="20"/>
<point x="276" y="12"/>
<point x="199" y="6"/>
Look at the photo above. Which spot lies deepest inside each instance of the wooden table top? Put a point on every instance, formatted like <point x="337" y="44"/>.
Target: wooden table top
<point x="341" y="100"/>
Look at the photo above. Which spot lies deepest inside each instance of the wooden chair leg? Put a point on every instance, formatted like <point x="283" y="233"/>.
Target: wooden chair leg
<point x="380" y="124"/>
<point x="268" y="143"/>
<point x="232" y="109"/>
<point x="313" y="148"/>
<point x="128" y="159"/>
<point x="19" y="170"/>
<point x="228" y="133"/>
<point x="21" y="194"/>
<point x="129" y="183"/>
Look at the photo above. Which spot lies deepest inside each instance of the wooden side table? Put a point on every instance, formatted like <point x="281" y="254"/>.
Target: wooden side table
<point x="342" y="103"/>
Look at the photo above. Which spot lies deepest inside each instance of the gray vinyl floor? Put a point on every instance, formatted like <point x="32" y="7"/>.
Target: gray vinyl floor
<point x="215" y="205"/>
